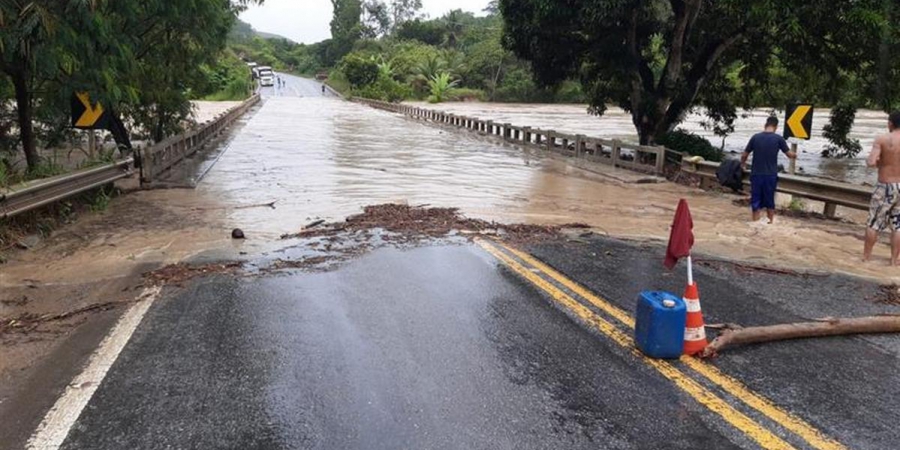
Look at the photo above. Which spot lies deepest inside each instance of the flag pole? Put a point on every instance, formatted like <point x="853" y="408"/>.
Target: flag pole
<point x="690" y="267"/>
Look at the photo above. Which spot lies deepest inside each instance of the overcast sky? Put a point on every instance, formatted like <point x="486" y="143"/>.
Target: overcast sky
<point x="307" y="21"/>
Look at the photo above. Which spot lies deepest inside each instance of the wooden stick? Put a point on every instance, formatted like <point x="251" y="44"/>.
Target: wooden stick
<point x="823" y="327"/>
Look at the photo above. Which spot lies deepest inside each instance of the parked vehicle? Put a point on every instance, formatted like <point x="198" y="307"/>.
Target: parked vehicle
<point x="266" y="76"/>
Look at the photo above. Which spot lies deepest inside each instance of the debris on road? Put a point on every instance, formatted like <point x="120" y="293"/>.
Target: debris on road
<point x="751" y="268"/>
<point x="888" y="295"/>
<point x="411" y="222"/>
<point x="180" y="273"/>
<point x="734" y="335"/>
<point x="237" y="233"/>
<point x="314" y="224"/>
<point x="28" y="322"/>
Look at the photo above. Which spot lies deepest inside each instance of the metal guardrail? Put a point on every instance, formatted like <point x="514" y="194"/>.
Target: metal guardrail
<point x="613" y="152"/>
<point x="38" y="193"/>
<point x="157" y="158"/>
<point x="832" y="193"/>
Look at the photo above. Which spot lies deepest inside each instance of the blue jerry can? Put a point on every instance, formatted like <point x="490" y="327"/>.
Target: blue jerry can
<point x="659" y="325"/>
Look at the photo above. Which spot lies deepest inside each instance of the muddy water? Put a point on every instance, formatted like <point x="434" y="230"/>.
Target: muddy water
<point x="616" y="124"/>
<point x="319" y="158"/>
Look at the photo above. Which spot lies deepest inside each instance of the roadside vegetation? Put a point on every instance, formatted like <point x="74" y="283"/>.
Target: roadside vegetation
<point x="143" y="59"/>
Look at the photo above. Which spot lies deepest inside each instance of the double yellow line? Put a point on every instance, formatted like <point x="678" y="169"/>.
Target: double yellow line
<point x="762" y="435"/>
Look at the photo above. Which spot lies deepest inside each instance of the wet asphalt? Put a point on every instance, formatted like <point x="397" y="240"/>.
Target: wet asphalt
<point x="441" y="347"/>
<point x="436" y="347"/>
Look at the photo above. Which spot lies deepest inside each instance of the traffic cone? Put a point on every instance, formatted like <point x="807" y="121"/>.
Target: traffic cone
<point x="694" y="330"/>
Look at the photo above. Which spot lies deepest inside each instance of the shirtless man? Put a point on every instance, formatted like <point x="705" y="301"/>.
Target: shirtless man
<point x="884" y="212"/>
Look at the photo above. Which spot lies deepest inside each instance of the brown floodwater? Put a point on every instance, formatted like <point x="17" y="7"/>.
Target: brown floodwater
<point x="320" y="158"/>
<point x="616" y="124"/>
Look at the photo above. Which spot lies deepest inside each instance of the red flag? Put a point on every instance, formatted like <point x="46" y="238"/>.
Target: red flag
<point x="682" y="238"/>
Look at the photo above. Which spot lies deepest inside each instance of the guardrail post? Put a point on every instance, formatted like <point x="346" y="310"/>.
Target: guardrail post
<point x="830" y="210"/>
<point x="489" y="128"/>
<point x="579" y="145"/>
<point x="526" y="132"/>
<point x="616" y="152"/>
<point x="660" y="160"/>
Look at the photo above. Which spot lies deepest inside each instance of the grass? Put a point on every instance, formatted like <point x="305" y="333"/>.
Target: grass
<point x="797" y="205"/>
<point x="99" y="199"/>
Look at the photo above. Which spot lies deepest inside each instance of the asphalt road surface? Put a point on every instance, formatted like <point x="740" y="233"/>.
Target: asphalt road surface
<point x="482" y="346"/>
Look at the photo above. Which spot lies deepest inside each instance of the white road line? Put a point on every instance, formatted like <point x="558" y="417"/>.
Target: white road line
<point x="59" y="420"/>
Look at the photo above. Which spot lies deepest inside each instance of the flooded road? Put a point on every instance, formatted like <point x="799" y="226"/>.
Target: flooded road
<point x="616" y="124"/>
<point x="316" y="157"/>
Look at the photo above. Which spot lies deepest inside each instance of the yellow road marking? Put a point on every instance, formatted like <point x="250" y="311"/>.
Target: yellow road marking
<point x="702" y="395"/>
<point x="734" y="387"/>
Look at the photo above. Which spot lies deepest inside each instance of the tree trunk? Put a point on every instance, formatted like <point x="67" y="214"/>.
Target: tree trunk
<point x="159" y="132"/>
<point x="25" y="113"/>
<point x="734" y="335"/>
<point x="884" y="86"/>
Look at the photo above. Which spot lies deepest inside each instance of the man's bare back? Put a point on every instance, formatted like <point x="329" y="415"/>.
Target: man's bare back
<point x="886" y="156"/>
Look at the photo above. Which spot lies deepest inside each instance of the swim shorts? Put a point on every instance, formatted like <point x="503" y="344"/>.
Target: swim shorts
<point x="884" y="210"/>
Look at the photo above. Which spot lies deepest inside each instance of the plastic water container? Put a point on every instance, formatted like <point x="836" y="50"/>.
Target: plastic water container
<point x="659" y="325"/>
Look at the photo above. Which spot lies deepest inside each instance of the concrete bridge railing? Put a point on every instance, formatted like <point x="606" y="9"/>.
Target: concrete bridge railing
<point x="613" y="152"/>
<point x="161" y="156"/>
<point x="634" y="157"/>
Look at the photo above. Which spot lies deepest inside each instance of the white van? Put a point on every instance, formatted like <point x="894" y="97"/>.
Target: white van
<point x="266" y="76"/>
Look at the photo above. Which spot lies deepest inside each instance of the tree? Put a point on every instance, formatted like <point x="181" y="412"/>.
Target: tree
<point x="425" y="31"/>
<point x="346" y="26"/>
<point x="32" y="55"/>
<point x="137" y="56"/>
<point x="403" y="11"/>
<point x="376" y="19"/>
<point x="658" y="59"/>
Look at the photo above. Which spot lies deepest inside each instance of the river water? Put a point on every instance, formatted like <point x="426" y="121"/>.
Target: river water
<point x="616" y="124"/>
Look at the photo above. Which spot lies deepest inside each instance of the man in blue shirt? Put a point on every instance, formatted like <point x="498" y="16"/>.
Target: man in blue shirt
<point x="764" y="170"/>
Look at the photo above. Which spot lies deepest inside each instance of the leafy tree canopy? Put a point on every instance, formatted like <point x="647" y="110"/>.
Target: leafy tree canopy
<point x="658" y="59"/>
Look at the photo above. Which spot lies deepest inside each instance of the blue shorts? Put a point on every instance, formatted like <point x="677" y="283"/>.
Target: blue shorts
<point x="762" y="191"/>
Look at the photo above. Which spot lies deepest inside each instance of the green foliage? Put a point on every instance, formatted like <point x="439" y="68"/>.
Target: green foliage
<point x="838" y="133"/>
<point x="386" y="89"/>
<point x="43" y="170"/>
<point x="466" y="95"/>
<point x="359" y="70"/>
<point x="229" y="79"/>
<point x="658" y="60"/>
<point x="440" y="86"/>
<point x="346" y="27"/>
<point x="99" y="199"/>
<point x="338" y="82"/>
<point x="690" y="144"/>
<point x="425" y="31"/>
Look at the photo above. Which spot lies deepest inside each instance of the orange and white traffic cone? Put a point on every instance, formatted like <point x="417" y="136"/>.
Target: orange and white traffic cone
<point x="695" y="329"/>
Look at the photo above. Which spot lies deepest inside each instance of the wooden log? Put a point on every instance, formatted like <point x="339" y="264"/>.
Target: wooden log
<point x="734" y="336"/>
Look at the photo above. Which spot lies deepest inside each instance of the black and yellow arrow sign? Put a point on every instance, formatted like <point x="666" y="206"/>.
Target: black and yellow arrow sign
<point x="87" y="115"/>
<point x="799" y="122"/>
